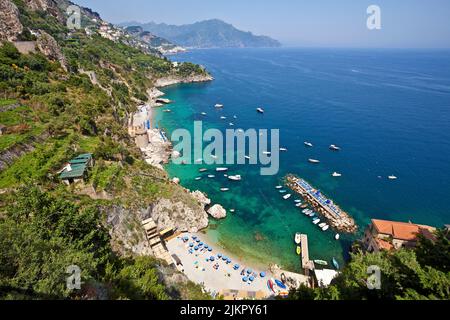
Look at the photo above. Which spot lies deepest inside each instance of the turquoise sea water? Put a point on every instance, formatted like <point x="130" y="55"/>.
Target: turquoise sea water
<point x="389" y="110"/>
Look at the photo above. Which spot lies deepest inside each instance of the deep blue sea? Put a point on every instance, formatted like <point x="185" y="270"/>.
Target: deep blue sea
<point x="389" y="110"/>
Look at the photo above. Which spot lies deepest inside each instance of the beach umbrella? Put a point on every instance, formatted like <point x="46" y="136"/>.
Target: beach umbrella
<point x="228" y="260"/>
<point x="236" y="266"/>
<point x="249" y="271"/>
<point x="198" y="240"/>
<point x="212" y="258"/>
<point x="219" y="255"/>
<point x="245" y="279"/>
<point x="191" y="245"/>
<point x="194" y="237"/>
<point x="252" y="278"/>
<point x="200" y="244"/>
<point x="262" y="274"/>
<point x="196" y="248"/>
<point x="209" y="249"/>
<point x="206" y="246"/>
<point x="224" y="258"/>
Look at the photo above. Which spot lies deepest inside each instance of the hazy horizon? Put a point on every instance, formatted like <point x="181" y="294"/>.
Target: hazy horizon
<point x="405" y="23"/>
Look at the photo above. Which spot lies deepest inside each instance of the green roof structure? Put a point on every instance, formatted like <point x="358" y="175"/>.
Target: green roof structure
<point x="78" y="167"/>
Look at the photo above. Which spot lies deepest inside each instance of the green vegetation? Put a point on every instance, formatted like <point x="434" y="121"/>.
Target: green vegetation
<point x="418" y="274"/>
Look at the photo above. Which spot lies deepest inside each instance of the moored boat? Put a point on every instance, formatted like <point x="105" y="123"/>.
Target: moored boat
<point x="321" y="225"/>
<point x="203" y="170"/>
<point x="321" y="262"/>
<point x="392" y="177"/>
<point x="297" y="238"/>
<point x="224" y="189"/>
<point x="325" y="228"/>
<point x="316" y="221"/>
<point x="278" y="187"/>
<point x="235" y="178"/>
<point x="337" y="236"/>
<point x="336" y="175"/>
<point x="287" y="196"/>
<point x="221" y="169"/>
<point x="270" y="285"/>
<point x="283" y="149"/>
<point x="314" y="161"/>
<point x="308" y="144"/>
<point x="260" y="110"/>
<point x="299" y="250"/>
<point x="335" y="263"/>
<point x="218" y="106"/>
<point x="334" y="147"/>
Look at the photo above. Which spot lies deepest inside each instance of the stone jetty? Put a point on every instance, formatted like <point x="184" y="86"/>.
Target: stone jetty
<point x="337" y="218"/>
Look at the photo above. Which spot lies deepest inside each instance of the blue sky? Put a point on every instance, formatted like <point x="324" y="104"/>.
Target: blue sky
<point x="329" y="23"/>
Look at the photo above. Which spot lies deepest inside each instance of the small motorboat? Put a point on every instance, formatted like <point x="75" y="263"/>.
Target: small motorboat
<point x="247" y="157"/>
<point x="199" y="161"/>
<point x="321" y="262"/>
<point x="298" y="205"/>
<point x="203" y="170"/>
<point x="283" y="149"/>
<point x="325" y="228"/>
<point x="304" y="206"/>
<point x="232" y="210"/>
<point x="392" y="178"/>
<point x="260" y="110"/>
<point x="314" y="161"/>
<point x="298" y="201"/>
<point x="308" y="144"/>
<point x="335" y="264"/>
<point x="297" y="238"/>
<point x="214" y="157"/>
<point x="316" y="221"/>
<point x="299" y="250"/>
<point x="235" y="178"/>
<point x="211" y="176"/>
<point x="167" y="110"/>
<point x="278" y="187"/>
<point x="305" y="211"/>
<point x="231" y="124"/>
<point x="234" y="117"/>
<point x="280" y="284"/>
<point x="336" y="175"/>
<point x="337" y="236"/>
<point x="334" y="147"/>
<point x="218" y="106"/>
<point x="203" y="113"/>
<point x="198" y="178"/>
<point x="270" y="285"/>
<point x="282" y="191"/>
<point x="223" y="117"/>
<point x="267" y="153"/>
<point x="287" y="196"/>
<point x="321" y="225"/>
<point x="221" y="169"/>
<point x="224" y="189"/>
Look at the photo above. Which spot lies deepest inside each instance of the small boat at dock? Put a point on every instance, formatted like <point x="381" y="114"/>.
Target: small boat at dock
<point x="316" y="221"/>
<point x="287" y="196"/>
<point x="282" y="191"/>
<point x="221" y="169"/>
<point x="314" y="161"/>
<point x="337" y="236"/>
<point x="321" y="262"/>
<point x="304" y="206"/>
<point x="298" y="201"/>
<point x="297" y="238"/>
<point x="247" y="157"/>
<point x="283" y="149"/>
<point x="323" y="224"/>
<point x="299" y="250"/>
<point x="325" y="228"/>
<point x="308" y="144"/>
<point x="335" y="264"/>
<point x="267" y="153"/>
<point x="298" y="205"/>
<point x="278" y="187"/>
<point x="260" y="110"/>
<point x="223" y="117"/>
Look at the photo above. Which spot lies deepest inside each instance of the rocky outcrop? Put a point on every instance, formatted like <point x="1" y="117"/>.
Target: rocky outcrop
<point x="170" y="214"/>
<point x="50" y="48"/>
<point x="49" y="6"/>
<point x="201" y="198"/>
<point x="10" y="26"/>
<point x="171" y="80"/>
<point x="217" y="212"/>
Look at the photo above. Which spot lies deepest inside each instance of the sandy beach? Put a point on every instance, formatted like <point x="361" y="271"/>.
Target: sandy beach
<point x="200" y="269"/>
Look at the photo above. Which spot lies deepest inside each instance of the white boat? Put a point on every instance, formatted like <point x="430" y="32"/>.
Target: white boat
<point x="198" y="178"/>
<point x="214" y="157"/>
<point x="219" y="106"/>
<point x="267" y="153"/>
<point x="204" y="113"/>
<point x="283" y="149"/>
<point x="287" y="196"/>
<point x="308" y="144"/>
<point x="223" y="118"/>
<point x="337" y="236"/>
<point x="298" y="201"/>
<point x="234" y="117"/>
<point x="392" y="178"/>
<point x="235" y="178"/>
<point x="334" y="147"/>
<point x="221" y="169"/>
<point x="323" y="224"/>
<point x="325" y="228"/>
<point x="247" y="157"/>
<point x="199" y="160"/>
<point x="278" y="187"/>
<point x="336" y="175"/>
<point x="224" y="189"/>
<point x="232" y="210"/>
<point x="297" y="238"/>
<point x="203" y="170"/>
<point x="211" y="176"/>
<point x="316" y="221"/>
<point x="260" y="110"/>
<point x="298" y="205"/>
<point x="231" y="124"/>
<point x="305" y="211"/>
<point x="313" y="161"/>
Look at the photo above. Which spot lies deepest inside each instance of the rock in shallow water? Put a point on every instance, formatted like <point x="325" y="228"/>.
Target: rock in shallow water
<point x="217" y="212"/>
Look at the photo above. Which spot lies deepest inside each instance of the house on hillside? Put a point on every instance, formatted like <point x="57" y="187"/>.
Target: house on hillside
<point x="392" y="235"/>
<point x="76" y="170"/>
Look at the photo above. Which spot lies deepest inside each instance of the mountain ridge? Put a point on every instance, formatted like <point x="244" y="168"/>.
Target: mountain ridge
<point x="212" y="33"/>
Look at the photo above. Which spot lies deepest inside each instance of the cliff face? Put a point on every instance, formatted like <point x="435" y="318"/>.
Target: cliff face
<point x="10" y="26"/>
<point x="49" y="6"/>
<point x="50" y="48"/>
